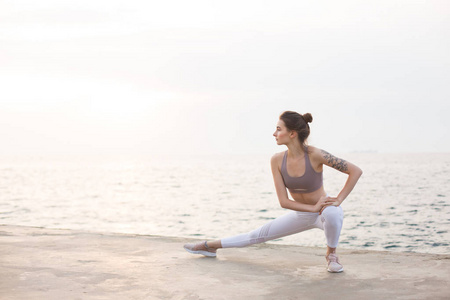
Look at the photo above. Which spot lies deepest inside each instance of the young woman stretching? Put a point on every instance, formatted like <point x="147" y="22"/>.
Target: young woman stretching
<point x="299" y="169"/>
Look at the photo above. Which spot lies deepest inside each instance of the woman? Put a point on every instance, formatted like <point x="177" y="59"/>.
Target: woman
<point x="299" y="169"/>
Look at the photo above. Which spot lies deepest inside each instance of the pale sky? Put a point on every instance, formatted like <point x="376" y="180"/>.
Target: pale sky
<point x="186" y="77"/>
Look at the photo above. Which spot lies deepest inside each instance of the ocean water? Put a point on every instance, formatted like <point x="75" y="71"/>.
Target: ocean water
<point x="401" y="202"/>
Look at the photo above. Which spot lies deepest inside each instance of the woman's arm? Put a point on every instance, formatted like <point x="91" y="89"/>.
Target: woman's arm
<point x="282" y="195"/>
<point x="345" y="167"/>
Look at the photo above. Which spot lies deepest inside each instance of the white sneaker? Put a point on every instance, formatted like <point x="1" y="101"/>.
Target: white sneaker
<point x="200" y="248"/>
<point x="333" y="263"/>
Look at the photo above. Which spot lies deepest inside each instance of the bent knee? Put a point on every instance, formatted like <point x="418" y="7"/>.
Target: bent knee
<point x="333" y="213"/>
<point x="332" y="210"/>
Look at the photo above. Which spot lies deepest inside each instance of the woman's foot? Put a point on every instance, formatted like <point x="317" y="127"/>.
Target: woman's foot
<point x="334" y="266"/>
<point x="201" y="248"/>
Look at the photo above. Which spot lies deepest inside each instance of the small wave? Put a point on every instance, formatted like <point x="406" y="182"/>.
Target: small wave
<point x="196" y="234"/>
<point x="6" y="212"/>
<point x="440" y="203"/>
<point x="391" y="246"/>
<point x="406" y="235"/>
<point x="266" y="218"/>
<point x="438" y="244"/>
<point x="384" y="224"/>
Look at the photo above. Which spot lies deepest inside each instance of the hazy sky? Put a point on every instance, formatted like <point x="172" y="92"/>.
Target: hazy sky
<point x="97" y="76"/>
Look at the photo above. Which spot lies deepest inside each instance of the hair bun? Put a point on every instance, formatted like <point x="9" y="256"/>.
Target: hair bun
<point x="308" y="117"/>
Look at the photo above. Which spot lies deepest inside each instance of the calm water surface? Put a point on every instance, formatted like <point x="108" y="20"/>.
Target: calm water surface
<point x="401" y="202"/>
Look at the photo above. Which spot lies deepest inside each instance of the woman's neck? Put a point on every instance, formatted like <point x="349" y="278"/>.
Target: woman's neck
<point x="295" y="149"/>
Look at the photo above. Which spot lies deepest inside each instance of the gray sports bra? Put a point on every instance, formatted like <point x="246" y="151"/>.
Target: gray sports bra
<point x="307" y="183"/>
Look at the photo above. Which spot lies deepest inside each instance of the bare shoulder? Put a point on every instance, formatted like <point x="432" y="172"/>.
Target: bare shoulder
<point x="315" y="153"/>
<point x="276" y="159"/>
<point x="277" y="156"/>
<point x="316" y="157"/>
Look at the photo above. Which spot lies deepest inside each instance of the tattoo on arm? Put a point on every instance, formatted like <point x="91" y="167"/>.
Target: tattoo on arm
<point x="333" y="161"/>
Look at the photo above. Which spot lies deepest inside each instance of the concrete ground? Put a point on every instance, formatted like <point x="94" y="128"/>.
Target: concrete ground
<point x="38" y="263"/>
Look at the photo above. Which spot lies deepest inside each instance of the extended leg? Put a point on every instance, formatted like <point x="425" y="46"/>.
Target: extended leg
<point x="290" y="223"/>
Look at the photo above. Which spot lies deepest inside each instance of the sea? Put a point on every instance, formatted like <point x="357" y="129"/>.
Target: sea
<point x="401" y="203"/>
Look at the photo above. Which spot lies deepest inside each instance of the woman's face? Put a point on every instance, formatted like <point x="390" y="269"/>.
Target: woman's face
<point x="281" y="134"/>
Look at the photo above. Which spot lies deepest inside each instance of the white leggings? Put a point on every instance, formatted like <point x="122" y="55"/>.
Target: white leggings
<point x="330" y="221"/>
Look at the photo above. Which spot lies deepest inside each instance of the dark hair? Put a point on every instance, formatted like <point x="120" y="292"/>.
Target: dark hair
<point x="297" y="122"/>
